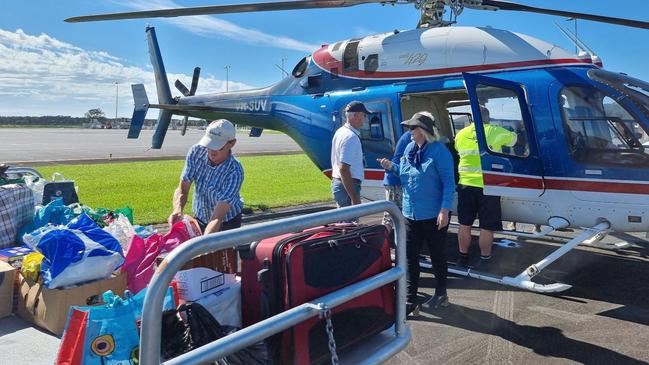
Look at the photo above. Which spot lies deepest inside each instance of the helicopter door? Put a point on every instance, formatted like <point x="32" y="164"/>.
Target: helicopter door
<point x="509" y="156"/>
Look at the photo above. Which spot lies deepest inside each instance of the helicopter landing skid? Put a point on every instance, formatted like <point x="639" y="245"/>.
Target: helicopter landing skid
<point x="524" y="279"/>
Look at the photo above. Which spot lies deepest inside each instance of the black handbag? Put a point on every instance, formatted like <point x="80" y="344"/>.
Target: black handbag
<point x="203" y="329"/>
<point x="175" y="339"/>
<point x="60" y="188"/>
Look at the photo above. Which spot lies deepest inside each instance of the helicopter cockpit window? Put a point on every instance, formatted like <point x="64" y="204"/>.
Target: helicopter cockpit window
<point x="377" y="134"/>
<point x="601" y="131"/>
<point x="503" y="122"/>
<point x="373" y="129"/>
<point x="350" y="56"/>
<point x="300" y="68"/>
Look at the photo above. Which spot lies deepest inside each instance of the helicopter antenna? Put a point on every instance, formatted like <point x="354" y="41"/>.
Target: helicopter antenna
<point x="575" y="40"/>
<point x="281" y="68"/>
<point x="580" y="44"/>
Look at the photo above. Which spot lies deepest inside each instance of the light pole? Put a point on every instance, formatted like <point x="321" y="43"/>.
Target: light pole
<point x="227" y="77"/>
<point x="116" y="98"/>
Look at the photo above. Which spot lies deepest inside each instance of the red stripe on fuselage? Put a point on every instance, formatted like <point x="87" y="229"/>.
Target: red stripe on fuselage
<point x="326" y="61"/>
<point x="369" y="174"/>
<point x="509" y="181"/>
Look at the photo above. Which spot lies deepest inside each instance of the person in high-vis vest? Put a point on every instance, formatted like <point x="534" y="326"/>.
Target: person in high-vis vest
<point x="471" y="200"/>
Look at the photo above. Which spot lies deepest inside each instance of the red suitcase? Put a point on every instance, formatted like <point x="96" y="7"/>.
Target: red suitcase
<point x="285" y="271"/>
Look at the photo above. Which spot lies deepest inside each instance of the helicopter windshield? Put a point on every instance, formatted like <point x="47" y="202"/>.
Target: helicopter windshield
<point x="600" y="130"/>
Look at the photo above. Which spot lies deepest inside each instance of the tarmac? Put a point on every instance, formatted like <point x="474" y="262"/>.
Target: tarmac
<point x="47" y="146"/>
<point x="602" y="319"/>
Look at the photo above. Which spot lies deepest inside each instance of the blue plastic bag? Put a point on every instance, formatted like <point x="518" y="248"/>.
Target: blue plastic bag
<point x="53" y="213"/>
<point x="75" y="253"/>
<point x="106" y="334"/>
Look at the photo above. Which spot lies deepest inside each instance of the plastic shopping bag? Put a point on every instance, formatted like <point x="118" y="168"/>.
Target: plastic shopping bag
<point x="180" y="232"/>
<point x="59" y="187"/>
<point x="55" y="213"/>
<point x="121" y="229"/>
<point x="106" y="334"/>
<point x="104" y="216"/>
<point x="142" y="253"/>
<point x="36" y="184"/>
<point x="75" y="253"/>
<point x="140" y="261"/>
<point x="31" y="267"/>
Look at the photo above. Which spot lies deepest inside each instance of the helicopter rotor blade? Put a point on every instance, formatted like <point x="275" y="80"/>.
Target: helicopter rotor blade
<point x="183" y="130"/>
<point x="182" y="88"/>
<point x="233" y="8"/>
<point x="195" y="76"/>
<point x="506" y="5"/>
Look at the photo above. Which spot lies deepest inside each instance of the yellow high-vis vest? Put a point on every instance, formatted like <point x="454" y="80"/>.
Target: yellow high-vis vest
<point x="466" y="144"/>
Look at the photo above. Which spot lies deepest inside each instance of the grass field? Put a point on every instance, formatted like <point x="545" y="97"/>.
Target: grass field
<point x="147" y="187"/>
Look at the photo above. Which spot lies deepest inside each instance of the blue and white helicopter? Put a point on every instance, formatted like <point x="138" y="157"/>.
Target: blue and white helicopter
<point x="582" y="156"/>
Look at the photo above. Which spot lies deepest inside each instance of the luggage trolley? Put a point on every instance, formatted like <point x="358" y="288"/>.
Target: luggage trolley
<point x="374" y="350"/>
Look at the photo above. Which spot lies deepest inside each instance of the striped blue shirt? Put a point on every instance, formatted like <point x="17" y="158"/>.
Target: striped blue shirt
<point x="213" y="183"/>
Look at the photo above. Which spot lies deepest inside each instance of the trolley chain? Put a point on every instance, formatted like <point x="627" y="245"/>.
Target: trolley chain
<point x="325" y="313"/>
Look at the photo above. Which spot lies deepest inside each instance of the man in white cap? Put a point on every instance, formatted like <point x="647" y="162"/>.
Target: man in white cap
<point x="217" y="203"/>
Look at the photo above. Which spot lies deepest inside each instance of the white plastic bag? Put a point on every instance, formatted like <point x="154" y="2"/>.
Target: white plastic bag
<point x="36" y="185"/>
<point x="225" y="305"/>
<point x="122" y="230"/>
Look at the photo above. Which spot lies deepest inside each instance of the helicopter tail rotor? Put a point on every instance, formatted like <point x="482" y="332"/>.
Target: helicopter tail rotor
<point x="188" y="92"/>
<point x="141" y="102"/>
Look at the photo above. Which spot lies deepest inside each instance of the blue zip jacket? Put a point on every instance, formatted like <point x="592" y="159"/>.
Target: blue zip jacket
<point x="429" y="188"/>
<point x="391" y="178"/>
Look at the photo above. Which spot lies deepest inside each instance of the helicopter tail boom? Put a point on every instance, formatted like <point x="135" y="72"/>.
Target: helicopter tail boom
<point x="162" y="86"/>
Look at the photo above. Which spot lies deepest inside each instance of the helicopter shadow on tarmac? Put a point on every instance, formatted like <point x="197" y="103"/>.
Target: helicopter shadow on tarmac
<point x="576" y="325"/>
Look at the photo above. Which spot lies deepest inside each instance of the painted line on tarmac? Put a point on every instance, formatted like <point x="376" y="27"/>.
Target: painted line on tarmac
<point x="138" y="158"/>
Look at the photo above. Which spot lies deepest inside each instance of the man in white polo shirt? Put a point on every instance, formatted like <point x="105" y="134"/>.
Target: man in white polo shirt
<point x="347" y="168"/>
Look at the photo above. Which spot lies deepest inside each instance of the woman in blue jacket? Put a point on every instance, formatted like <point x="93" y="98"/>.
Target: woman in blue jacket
<point x="428" y="183"/>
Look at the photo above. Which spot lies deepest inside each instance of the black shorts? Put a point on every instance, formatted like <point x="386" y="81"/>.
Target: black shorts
<point x="225" y="226"/>
<point x="471" y="202"/>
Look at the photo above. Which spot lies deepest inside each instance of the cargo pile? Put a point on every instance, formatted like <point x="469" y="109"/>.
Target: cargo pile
<point x="82" y="273"/>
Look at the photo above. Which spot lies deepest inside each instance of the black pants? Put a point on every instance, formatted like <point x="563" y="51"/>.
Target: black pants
<point x="225" y="226"/>
<point x="418" y="233"/>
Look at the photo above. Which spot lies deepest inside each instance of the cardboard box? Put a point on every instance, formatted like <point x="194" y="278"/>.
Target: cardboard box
<point x="48" y="308"/>
<point x="14" y="255"/>
<point x="198" y="282"/>
<point x="7" y="275"/>
<point x="222" y="261"/>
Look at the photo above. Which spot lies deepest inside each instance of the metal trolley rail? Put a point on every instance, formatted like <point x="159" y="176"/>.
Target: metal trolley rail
<point x="372" y="351"/>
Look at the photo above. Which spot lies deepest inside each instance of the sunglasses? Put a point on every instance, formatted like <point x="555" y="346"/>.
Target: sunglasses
<point x="412" y="127"/>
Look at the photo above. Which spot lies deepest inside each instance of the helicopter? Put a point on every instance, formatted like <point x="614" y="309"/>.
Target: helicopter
<point x="581" y="160"/>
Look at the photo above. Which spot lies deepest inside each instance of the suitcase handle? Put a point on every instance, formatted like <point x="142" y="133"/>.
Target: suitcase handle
<point x="247" y="252"/>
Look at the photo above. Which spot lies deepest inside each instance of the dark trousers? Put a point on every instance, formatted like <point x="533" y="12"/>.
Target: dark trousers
<point x="418" y="233"/>
<point x="225" y="226"/>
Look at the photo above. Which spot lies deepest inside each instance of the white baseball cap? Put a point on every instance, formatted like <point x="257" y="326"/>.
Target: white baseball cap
<point x="217" y="134"/>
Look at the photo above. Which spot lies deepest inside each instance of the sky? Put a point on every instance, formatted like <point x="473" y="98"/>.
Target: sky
<point x="49" y="67"/>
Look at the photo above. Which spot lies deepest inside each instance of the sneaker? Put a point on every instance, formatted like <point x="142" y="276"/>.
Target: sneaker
<point x="484" y="264"/>
<point x="462" y="260"/>
<point x="436" y="302"/>
<point x="412" y="309"/>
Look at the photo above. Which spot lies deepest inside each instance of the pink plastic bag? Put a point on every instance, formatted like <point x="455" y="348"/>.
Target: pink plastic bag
<point x="140" y="261"/>
<point x="179" y="233"/>
<point x="141" y="256"/>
